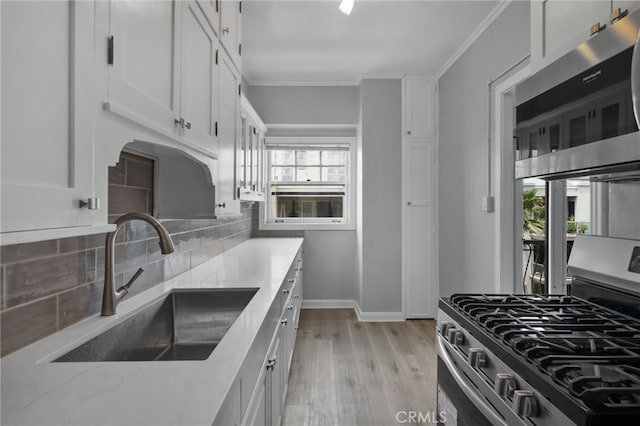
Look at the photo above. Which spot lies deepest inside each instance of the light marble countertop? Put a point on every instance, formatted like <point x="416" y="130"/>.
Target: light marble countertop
<point x="36" y="391"/>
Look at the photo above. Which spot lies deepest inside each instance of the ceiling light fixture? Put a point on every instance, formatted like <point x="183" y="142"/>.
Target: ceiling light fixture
<point x="346" y="6"/>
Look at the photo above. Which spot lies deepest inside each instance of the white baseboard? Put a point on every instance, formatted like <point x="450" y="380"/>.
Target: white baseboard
<point x="352" y="304"/>
<point x="378" y="316"/>
<point x="328" y="304"/>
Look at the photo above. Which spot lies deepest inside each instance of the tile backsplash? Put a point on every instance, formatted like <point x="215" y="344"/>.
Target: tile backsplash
<point x="49" y="285"/>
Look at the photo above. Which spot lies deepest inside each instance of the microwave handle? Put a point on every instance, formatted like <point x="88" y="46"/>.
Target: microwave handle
<point x="469" y="390"/>
<point x="635" y="79"/>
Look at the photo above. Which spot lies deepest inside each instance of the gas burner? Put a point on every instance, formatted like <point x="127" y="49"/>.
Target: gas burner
<point x="600" y="384"/>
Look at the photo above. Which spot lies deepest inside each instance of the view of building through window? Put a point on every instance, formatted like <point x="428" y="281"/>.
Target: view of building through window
<point x="307" y="182"/>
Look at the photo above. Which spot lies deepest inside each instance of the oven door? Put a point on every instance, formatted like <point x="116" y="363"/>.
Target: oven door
<point x="454" y="406"/>
<point x="460" y="402"/>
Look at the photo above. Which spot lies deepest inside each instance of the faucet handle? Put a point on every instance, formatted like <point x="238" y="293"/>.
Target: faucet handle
<point x="125" y="288"/>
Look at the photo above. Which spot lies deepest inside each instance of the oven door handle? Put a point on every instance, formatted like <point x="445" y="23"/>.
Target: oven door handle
<point x="469" y="390"/>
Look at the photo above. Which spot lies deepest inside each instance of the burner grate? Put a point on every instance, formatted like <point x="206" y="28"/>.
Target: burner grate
<point x="591" y="351"/>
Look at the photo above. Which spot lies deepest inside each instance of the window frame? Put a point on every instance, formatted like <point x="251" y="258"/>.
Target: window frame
<point x="349" y="206"/>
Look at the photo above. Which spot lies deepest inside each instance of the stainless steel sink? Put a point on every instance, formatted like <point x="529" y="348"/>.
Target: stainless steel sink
<point x="185" y="325"/>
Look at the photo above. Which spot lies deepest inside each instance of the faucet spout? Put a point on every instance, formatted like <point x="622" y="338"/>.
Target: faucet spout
<point x="110" y="296"/>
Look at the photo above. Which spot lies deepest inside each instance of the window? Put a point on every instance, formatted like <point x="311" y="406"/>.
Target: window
<point x="309" y="183"/>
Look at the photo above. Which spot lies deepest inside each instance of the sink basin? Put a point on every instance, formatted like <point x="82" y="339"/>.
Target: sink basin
<point x="186" y="325"/>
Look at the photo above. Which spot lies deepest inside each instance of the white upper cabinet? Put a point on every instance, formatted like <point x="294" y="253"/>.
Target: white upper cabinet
<point x="144" y="61"/>
<point x="558" y="26"/>
<point x="250" y="168"/>
<point x="231" y="28"/>
<point x="419" y="111"/>
<point x="227" y="197"/>
<point x="211" y="10"/>
<point x="163" y="72"/>
<point x="47" y="133"/>
<point x="199" y="80"/>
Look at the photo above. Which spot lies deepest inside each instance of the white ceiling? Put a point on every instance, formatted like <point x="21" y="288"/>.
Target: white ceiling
<point x="306" y="42"/>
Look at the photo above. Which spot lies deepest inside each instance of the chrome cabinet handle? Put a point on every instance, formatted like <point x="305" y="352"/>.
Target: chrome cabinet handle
<point x="225" y="30"/>
<point x="286" y="290"/>
<point x="222" y="205"/>
<point x="271" y="362"/>
<point x="90" y="203"/>
<point x="290" y="308"/>
<point x="182" y="123"/>
<point x="284" y="321"/>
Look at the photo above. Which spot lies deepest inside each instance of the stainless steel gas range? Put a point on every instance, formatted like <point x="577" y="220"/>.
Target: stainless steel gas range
<point x="547" y="359"/>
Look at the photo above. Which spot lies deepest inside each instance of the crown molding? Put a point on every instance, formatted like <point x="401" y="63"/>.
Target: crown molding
<point x="475" y="35"/>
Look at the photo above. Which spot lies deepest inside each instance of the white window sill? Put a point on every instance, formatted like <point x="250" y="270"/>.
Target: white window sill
<point x="307" y="226"/>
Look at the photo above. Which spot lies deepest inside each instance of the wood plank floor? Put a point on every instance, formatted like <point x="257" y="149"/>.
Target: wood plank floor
<point x="346" y="372"/>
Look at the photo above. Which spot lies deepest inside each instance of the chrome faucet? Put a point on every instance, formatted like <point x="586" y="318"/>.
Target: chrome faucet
<point x="111" y="297"/>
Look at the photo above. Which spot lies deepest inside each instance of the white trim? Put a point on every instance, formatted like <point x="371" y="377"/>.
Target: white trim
<point x="378" y="316"/>
<point x="20" y="237"/>
<point x="505" y="281"/>
<point x="311" y="140"/>
<point x="286" y="83"/>
<point x="475" y="35"/>
<point x="329" y="304"/>
<point x="352" y="304"/>
<point x="312" y="126"/>
<point x="348" y="222"/>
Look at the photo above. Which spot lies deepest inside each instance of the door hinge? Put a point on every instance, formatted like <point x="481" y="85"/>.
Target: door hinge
<point x="240" y="6"/>
<point x="217" y="6"/>
<point x="217" y="56"/>
<point x="240" y="49"/>
<point x="110" y="50"/>
<point x="239" y="89"/>
<point x="216" y="129"/>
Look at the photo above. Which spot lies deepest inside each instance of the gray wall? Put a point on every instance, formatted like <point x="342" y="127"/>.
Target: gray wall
<point x="467" y="257"/>
<point x="329" y="256"/>
<point x="381" y="198"/>
<point x="305" y="105"/>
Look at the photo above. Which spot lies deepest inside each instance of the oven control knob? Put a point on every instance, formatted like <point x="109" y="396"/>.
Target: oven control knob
<point x="504" y="385"/>
<point x="455" y="337"/>
<point x="524" y="403"/>
<point x="444" y="326"/>
<point x="477" y="357"/>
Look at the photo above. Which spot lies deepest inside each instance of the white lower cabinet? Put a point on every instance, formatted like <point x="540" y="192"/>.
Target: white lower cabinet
<point x="266" y="405"/>
<point x="231" y="412"/>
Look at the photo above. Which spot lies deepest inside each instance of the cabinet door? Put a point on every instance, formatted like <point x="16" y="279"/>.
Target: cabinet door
<point x="628" y="5"/>
<point x="276" y="384"/>
<point x="230" y="28"/>
<point x="419" y="114"/>
<point x="144" y="76"/>
<point x="257" y="412"/>
<point x="47" y="133"/>
<point x="255" y="141"/>
<point x="229" y="130"/>
<point x="199" y="79"/>
<point x="230" y="412"/>
<point x="243" y="157"/>
<point x="211" y="10"/>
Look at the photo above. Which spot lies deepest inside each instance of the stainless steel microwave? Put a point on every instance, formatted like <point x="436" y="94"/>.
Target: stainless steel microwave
<point x="576" y="116"/>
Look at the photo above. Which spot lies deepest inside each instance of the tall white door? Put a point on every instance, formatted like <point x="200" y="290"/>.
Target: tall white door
<point x="421" y="287"/>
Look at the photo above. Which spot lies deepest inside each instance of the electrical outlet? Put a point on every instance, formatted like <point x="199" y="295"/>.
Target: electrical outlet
<point x="488" y="204"/>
